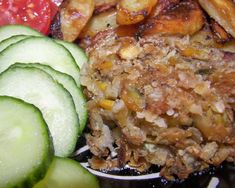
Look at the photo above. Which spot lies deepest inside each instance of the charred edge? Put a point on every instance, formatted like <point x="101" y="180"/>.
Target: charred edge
<point x="122" y="154"/>
<point x="55" y="28"/>
<point x="103" y="8"/>
<point x="219" y="33"/>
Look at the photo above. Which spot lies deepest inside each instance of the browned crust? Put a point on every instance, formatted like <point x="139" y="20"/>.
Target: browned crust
<point x="223" y="11"/>
<point x="219" y="34"/>
<point x="128" y="16"/>
<point x="185" y="18"/>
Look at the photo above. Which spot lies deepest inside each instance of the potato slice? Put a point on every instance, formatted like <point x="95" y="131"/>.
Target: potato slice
<point x="133" y="11"/>
<point x="104" y="5"/>
<point x="163" y="5"/>
<point x="127" y="30"/>
<point x="185" y="18"/>
<point x="222" y="11"/>
<point x="219" y="34"/>
<point x="73" y="16"/>
<point x="100" y="22"/>
<point x="99" y="3"/>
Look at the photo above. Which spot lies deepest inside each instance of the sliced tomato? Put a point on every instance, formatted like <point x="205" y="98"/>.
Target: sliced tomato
<point x="55" y="7"/>
<point x="33" y="13"/>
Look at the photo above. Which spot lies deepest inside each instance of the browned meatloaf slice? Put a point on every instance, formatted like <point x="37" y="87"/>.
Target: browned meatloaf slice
<point x="159" y="100"/>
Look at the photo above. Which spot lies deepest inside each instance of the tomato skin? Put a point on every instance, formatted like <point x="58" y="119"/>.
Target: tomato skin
<point x="55" y="7"/>
<point x="33" y="13"/>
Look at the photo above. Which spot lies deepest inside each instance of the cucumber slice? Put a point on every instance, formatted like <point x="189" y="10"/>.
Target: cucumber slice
<point x="7" y="42"/>
<point x="78" y="54"/>
<point x="67" y="173"/>
<point x="69" y="84"/>
<point x="25" y="144"/>
<point x="37" y="87"/>
<point x="11" y="30"/>
<point x="42" y="50"/>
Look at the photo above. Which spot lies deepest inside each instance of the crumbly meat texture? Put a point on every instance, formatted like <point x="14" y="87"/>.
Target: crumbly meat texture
<point x="159" y="100"/>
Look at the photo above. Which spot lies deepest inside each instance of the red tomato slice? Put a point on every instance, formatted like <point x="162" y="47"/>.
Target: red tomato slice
<point x="55" y="7"/>
<point x="33" y="13"/>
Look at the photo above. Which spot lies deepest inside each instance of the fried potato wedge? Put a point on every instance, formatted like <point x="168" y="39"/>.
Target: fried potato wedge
<point x="104" y="5"/>
<point x="100" y="22"/>
<point x="185" y="18"/>
<point x="99" y="3"/>
<point x="133" y="11"/>
<point x="74" y="15"/>
<point x="219" y="34"/>
<point x="127" y="30"/>
<point x="163" y="5"/>
<point x="222" y="11"/>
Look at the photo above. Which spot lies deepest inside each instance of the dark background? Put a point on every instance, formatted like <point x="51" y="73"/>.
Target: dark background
<point x="225" y="174"/>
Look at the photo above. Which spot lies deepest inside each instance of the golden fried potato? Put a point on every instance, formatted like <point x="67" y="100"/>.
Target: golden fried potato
<point x="163" y="5"/>
<point x="73" y="16"/>
<point x="100" y="22"/>
<point x="133" y="11"/>
<point x="219" y="34"/>
<point x="104" y="5"/>
<point x="222" y="11"/>
<point x="127" y="30"/>
<point x="185" y="18"/>
<point x="99" y="3"/>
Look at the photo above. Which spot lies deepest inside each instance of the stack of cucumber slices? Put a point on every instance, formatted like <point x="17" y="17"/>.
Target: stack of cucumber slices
<point x="43" y="111"/>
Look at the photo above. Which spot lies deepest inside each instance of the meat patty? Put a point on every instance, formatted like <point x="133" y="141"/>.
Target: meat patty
<point x="159" y="100"/>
